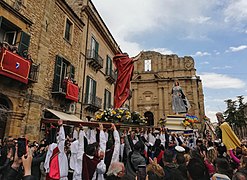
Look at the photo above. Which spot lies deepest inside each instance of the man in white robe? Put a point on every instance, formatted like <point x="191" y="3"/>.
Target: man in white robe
<point x="62" y="162"/>
<point x="113" y="152"/>
<point x="78" y="153"/>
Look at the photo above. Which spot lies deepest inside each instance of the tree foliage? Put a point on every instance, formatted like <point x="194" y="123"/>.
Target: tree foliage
<point x="235" y="112"/>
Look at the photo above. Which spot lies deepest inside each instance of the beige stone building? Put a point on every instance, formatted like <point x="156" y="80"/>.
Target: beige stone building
<point x="69" y="75"/>
<point x="100" y="47"/>
<point x="153" y="79"/>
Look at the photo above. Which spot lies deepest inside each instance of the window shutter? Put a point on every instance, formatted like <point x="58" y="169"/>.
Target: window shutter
<point x="105" y="100"/>
<point x="96" y="48"/>
<point x="107" y="64"/>
<point x="57" y="74"/>
<point x="72" y="71"/>
<point x="94" y="90"/>
<point x="109" y="99"/>
<point x="24" y="43"/>
<point x="110" y="61"/>
<point x="87" y="90"/>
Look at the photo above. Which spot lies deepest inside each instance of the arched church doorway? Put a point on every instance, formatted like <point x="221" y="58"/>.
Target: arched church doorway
<point x="150" y="118"/>
<point x="5" y="107"/>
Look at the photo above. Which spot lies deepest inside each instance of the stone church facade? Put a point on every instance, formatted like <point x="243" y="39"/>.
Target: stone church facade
<point x="152" y="82"/>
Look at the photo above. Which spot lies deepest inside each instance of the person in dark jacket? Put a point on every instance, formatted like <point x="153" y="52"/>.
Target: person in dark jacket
<point x="7" y="163"/>
<point x="134" y="158"/>
<point x="156" y="151"/>
<point x="15" y="170"/>
<point x="36" y="161"/>
<point x="170" y="168"/>
<point x="197" y="170"/>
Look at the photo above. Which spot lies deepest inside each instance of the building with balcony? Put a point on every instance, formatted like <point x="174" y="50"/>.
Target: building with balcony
<point x="40" y="63"/>
<point x="56" y="63"/>
<point x="100" y="47"/>
<point x="153" y="80"/>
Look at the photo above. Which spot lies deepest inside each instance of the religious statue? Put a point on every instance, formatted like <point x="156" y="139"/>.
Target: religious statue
<point x="125" y="68"/>
<point x="180" y="103"/>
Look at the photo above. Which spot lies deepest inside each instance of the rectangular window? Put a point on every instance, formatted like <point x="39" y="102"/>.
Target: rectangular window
<point x="63" y="70"/>
<point x="90" y="91"/>
<point x="108" y="66"/>
<point x="68" y="30"/>
<point x="147" y="65"/>
<point x="94" y="48"/>
<point x="10" y="37"/>
<point x="107" y="99"/>
<point x="13" y="35"/>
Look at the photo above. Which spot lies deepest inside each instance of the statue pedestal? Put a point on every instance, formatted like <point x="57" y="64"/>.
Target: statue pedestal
<point x="174" y="123"/>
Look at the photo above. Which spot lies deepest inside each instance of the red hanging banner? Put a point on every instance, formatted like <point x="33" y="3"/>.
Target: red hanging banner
<point x="14" y="66"/>
<point x="125" y="68"/>
<point x="72" y="91"/>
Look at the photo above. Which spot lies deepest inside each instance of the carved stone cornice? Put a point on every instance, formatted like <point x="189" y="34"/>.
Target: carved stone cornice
<point x="15" y="12"/>
<point x="64" y="5"/>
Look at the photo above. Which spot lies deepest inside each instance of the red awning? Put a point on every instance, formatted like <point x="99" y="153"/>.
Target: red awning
<point x="14" y="66"/>
<point x="72" y="91"/>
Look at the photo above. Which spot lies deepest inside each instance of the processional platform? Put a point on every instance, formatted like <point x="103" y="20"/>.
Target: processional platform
<point x="174" y="123"/>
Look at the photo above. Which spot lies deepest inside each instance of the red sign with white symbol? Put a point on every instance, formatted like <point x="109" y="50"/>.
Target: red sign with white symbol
<point x="14" y="66"/>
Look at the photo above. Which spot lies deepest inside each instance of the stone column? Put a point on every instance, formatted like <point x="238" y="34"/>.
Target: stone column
<point x="134" y="99"/>
<point x="195" y="98"/>
<point x="166" y="98"/>
<point x="161" y="107"/>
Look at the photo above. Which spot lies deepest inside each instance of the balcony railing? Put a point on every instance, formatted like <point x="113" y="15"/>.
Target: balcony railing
<point x="34" y="73"/>
<point x="66" y="89"/>
<point x="93" y="102"/>
<point x="111" y="76"/>
<point x="13" y="65"/>
<point x="94" y="59"/>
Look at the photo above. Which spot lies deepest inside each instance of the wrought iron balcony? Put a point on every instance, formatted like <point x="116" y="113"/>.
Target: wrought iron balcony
<point x="111" y="76"/>
<point x="34" y="73"/>
<point x="14" y="66"/>
<point x="66" y="89"/>
<point x="94" y="59"/>
<point x="92" y="102"/>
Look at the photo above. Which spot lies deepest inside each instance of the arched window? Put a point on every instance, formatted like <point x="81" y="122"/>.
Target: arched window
<point x="150" y="118"/>
<point x="147" y="65"/>
<point x="5" y="106"/>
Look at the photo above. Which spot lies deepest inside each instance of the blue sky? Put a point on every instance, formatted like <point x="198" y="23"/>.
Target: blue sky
<point x="213" y="32"/>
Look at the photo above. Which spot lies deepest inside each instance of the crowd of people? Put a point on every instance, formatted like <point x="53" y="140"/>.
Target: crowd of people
<point x="98" y="153"/>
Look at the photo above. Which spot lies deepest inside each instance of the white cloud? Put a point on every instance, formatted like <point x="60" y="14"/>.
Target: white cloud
<point x="205" y="63"/>
<point x="236" y="11"/>
<point x="127" y="19"/>
<point x="221" y="81"/>
<point x="199" y="53"/>
<point x="235" y="49"/>
<point x="133" y="47"/>
<point x="216" y="52"/>
<point x="163" y="51"/>
<point x="214" y="100"/>
<point x="200" y="19"/>
<point x="223" y="67"/>
<point x="195" y="36"/>
<point x="212" y="115"/>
